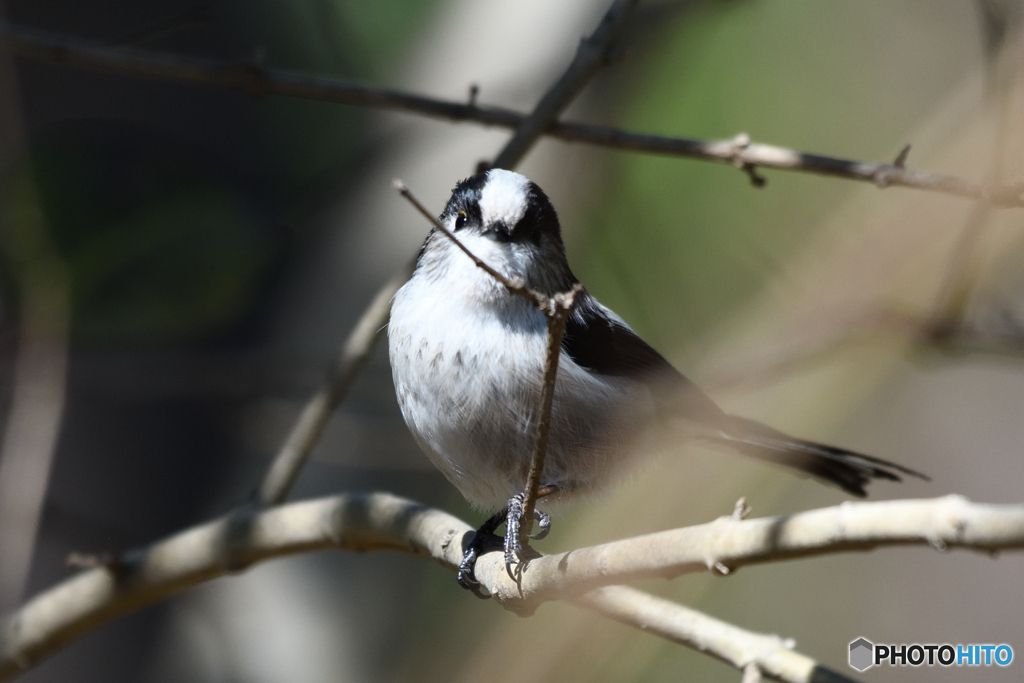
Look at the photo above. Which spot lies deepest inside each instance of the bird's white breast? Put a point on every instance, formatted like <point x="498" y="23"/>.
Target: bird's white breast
<point x="467" y="359"/>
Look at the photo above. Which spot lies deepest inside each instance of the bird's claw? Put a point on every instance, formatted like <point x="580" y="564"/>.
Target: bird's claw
<point x="543" y="525"/>
<point x="513" y="525"/>
<point x="484" y="539"/>
<point x="465" y="576"/>
<point x="513" y="547"/>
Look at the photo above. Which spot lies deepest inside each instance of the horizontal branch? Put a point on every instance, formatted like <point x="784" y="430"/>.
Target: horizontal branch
<point x="362" y="522"/>
<point x="726" y="544"/>
<point x="257" y="81"/>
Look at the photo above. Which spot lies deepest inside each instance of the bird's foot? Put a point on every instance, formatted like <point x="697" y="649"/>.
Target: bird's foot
<point x="513" y="525"/>
<point x="485" y="540"/>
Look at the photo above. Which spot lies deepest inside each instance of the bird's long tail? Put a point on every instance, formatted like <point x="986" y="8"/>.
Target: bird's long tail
<point x="849" y="470"/>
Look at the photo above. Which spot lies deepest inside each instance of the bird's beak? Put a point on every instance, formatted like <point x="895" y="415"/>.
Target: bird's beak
<point x="498" y="231"/>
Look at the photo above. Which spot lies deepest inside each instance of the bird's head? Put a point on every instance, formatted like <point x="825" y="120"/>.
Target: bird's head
<point x="505" y="219"/>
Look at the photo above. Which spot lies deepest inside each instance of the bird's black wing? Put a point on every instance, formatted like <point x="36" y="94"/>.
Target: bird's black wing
<point x="599" y="341"/>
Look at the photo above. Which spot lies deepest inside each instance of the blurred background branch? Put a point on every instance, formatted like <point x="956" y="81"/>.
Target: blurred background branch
<point x="39" y="296"/>
<point x="256" y="81"/>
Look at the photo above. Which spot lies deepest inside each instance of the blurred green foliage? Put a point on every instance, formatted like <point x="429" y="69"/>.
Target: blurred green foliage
<point x="831" y="78"/>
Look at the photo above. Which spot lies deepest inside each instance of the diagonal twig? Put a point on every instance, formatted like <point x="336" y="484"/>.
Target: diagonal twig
<point x="318" y="410"/>
<point x="257" y="81"/>
<point x="593" y="53"/>
<point x="514" y="286"/>
<point x="561" y="308"/>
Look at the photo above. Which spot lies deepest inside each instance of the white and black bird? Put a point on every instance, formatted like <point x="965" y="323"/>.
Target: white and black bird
<point x="467" y="358"/>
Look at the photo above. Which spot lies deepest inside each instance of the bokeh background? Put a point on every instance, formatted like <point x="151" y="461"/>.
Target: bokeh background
<point x="179" y="264"/>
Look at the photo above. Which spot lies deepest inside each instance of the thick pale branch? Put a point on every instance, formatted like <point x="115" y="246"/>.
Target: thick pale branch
<point x="361" y="522"/>
<point x="384" y="522"/>
<point x="727" y="543"/>
<point x="227" y="545"/>
<point x="257" y="81"/>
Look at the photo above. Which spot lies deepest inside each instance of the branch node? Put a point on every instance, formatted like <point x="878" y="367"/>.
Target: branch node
<point x="109" y="561"/>
<point x="719" y="569"/>
<point x="741" y="510"/>
<point x="738" y="146"/>
<point x="901" y="158"/>
<point x="474" y="90"/>
<point x="751" y="674"/>
<point x="756" y="179"/>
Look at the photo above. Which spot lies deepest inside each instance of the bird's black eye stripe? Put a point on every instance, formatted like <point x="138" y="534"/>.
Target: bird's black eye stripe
<point x="460" y="220"/>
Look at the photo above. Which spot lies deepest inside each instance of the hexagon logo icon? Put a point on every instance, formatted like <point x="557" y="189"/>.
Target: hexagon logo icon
<point x="862" y="654"/>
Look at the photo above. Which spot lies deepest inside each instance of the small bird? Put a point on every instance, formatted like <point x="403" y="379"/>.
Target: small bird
<point x="467" y="359"/>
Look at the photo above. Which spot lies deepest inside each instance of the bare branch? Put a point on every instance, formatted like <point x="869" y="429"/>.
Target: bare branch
<point x="141" y="577"/>
<point x="769" y="655"/>
<point x="592" y="54"/>
<point x="724" y="545"/>
<point x="38" y="384"/>
<point x="318" y="411"/>
<point x="361" y="522"/>
<point x="257" y="81"/>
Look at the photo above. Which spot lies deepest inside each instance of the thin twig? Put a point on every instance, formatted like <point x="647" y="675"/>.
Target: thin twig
<point x="514" y="286"/>
<point x="592" y="54"/>
<point x="360" y="522"/>
<point x="258" y="81"/>
<point x="559" y="314"/>
<point x="318" y="411"/>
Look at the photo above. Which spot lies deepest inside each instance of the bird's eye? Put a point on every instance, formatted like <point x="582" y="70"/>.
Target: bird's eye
<point x="460" y="220"/>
